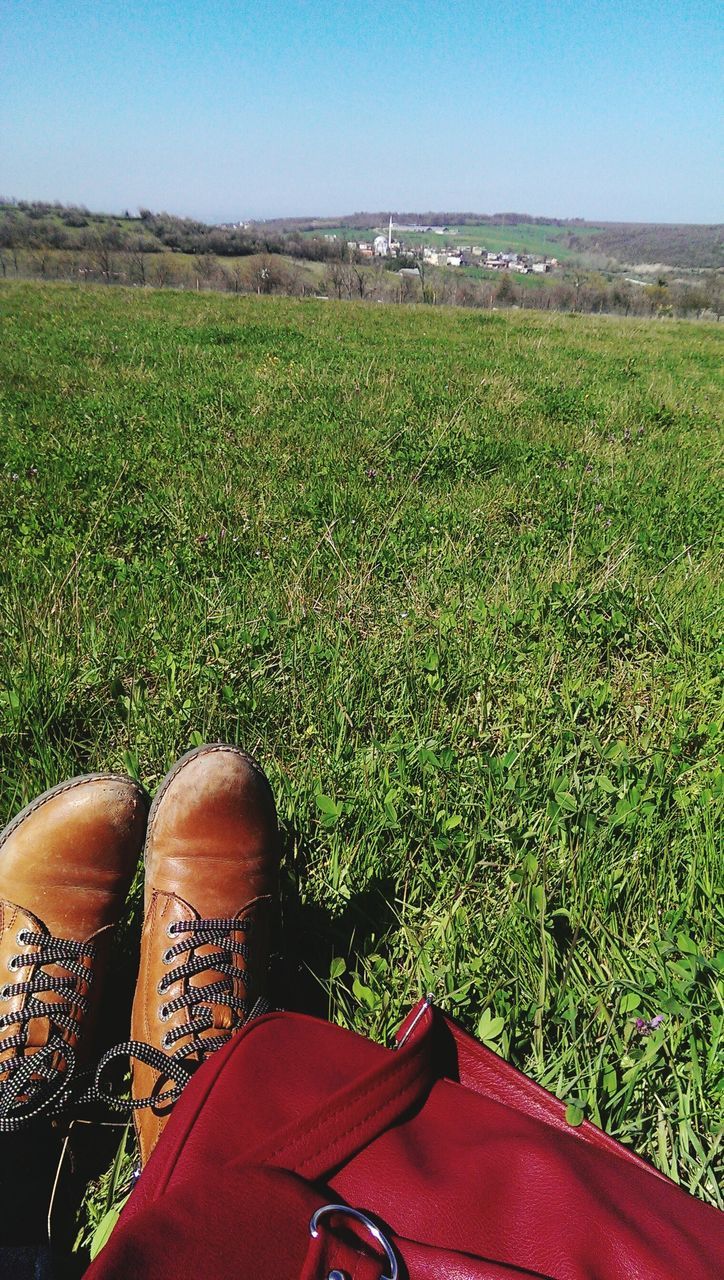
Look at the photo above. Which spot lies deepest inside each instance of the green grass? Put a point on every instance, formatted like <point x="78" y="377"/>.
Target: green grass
<point x="453" y="577"/>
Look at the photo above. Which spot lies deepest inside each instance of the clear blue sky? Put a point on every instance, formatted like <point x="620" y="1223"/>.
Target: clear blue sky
<point x="225" y="109"/>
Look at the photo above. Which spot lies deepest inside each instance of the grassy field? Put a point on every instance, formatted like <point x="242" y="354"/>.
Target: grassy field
<point x="453" y="577"/>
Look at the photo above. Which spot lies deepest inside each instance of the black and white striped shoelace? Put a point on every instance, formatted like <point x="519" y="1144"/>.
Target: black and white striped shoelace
<point x="177" y="1065"/>
<point x="42" y="1081"/>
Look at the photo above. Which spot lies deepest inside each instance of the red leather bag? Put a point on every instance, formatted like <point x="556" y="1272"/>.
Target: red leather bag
<point x="304" y="1152"/>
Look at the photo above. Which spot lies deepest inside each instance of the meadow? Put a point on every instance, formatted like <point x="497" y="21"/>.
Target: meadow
<point x="453" y="577"/>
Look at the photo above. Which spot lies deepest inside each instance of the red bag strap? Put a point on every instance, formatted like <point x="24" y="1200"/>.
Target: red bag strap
<point x="357" y="1114"/>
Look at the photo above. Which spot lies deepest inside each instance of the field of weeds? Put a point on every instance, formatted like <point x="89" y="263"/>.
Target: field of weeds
<point x="452" y="576"/>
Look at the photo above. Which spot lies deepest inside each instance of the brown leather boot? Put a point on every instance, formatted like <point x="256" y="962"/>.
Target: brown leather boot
<point x="66" y="864"/>
<point x="212" y="868"/>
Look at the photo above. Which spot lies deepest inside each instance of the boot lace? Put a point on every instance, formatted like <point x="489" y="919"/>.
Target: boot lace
<point x="41" y="1081"/>
<point x="177" y="1065"/>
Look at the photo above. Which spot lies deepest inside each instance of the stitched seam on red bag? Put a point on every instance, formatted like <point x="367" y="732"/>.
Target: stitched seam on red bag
<point x="351" y="1129"/>
<point x="332" y="1143"/>
<point x="358" y="1097"/>
<point x="391" y="1070"/>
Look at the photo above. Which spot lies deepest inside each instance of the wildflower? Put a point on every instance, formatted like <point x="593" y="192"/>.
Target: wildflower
<point x="598" y="508"/>
<point x="644" y="1027"/>
<point x="371" y="473"/>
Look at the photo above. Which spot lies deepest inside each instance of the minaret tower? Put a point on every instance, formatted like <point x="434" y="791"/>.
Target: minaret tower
<point x="389" y="236"/>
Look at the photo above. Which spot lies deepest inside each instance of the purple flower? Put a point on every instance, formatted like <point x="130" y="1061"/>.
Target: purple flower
<point x="644" y="1028"/>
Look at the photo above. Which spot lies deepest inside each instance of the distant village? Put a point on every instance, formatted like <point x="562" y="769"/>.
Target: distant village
<point x="393" y="245"/>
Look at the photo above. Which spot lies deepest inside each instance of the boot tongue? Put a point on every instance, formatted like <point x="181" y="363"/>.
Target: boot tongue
<point x="222" y="1017"/>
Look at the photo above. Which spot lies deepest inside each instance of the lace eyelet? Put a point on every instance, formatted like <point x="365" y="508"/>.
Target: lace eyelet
<point x="161" y="987"/>
<point x="164" y="1013"/>
<point x="11" y="964"/>
<point x="171" y="930"/>
<point x="5" y="993"/>
<point x="166" y="1041"/>
<point x="166" y="957"/>
<point x="22" y="937"/>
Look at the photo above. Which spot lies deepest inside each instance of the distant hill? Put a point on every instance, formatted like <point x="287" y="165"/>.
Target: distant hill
<point x="672" y="244"/>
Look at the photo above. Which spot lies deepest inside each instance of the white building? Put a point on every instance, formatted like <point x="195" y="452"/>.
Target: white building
<point x="380" y="246"/>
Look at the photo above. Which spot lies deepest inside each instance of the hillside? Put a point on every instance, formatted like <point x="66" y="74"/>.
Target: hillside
<point x="672" y="244"/>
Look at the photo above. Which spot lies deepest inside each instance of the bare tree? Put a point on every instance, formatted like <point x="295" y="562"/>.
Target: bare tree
<point x="345" y="280"/>
<point x="162" y="273"/>
<point x="207" y="269"/>
<point x="336" y="279"/>
<point x="39" y="263"/>
<point x="295" y="282"/>
<point x="101" y="256"/>
<point x="236" y="279"/>
<point x="428" y="294"/>
<point x="263" y="273"/>
<point x="363" y="280"/>
<point x="269" y="275"/>
<point x="137" y="254"/>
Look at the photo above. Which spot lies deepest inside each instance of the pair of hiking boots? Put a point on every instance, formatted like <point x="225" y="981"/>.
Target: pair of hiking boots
<point x="66" y="865"/>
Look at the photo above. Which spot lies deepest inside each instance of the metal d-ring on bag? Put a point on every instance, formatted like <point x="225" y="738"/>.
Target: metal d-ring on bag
<point x="371" y="1226"/>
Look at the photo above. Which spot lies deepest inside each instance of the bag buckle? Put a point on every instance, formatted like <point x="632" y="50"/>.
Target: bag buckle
<point x="371" y="1226"/>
